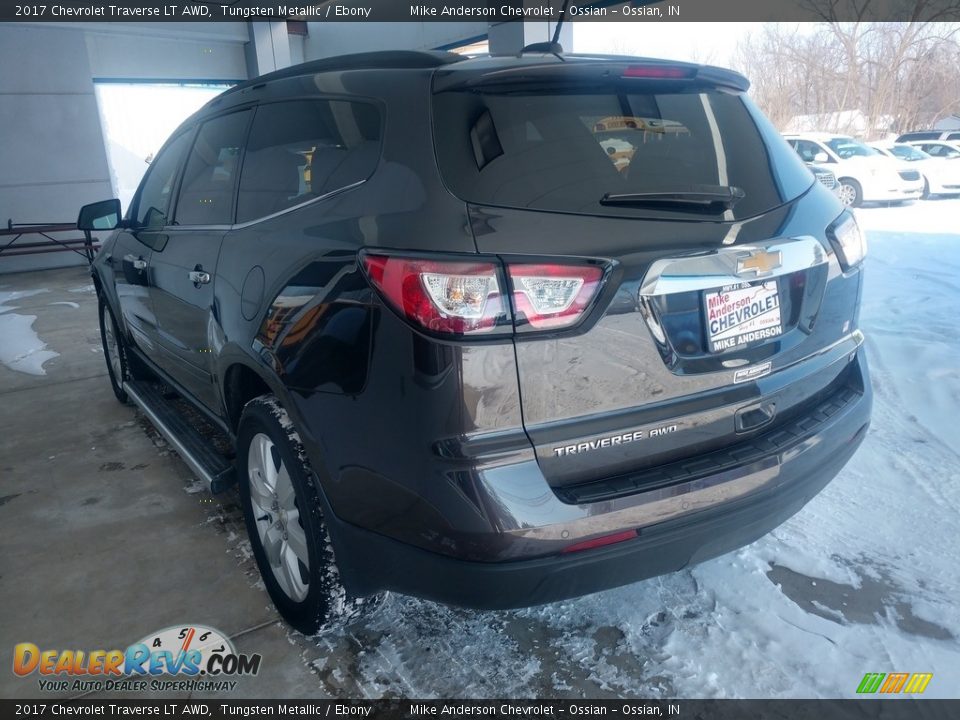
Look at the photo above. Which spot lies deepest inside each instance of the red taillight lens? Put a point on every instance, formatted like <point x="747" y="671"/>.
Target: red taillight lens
<point x="601" y="541"/>
<point x="665" y="72"/>
<point x="465" y="298"/>
<point x="459" y="298"/>
<point x="552" y="296"/>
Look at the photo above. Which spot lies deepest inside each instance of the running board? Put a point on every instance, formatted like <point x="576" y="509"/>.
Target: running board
<point x="197" y="452"/>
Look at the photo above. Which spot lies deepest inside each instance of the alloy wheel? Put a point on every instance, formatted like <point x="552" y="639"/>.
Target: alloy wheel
<point x="278" y="517"/>
<point x="848" y="194"/>
<point x="111" y="347"/>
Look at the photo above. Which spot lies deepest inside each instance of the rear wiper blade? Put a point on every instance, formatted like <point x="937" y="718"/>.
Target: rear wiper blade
<point x="714" y="197"/>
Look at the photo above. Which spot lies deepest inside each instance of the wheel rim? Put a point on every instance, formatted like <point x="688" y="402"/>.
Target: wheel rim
<point x="277" y="516"/>
<point x="848" y="193"/>
<point x="110" y="346"/>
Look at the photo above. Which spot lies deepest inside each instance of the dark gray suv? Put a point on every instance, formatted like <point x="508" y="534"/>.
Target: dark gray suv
<point x="493" y="332"/>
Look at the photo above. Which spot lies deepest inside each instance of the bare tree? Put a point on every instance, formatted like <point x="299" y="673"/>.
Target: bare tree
<point x="862" y="78"/>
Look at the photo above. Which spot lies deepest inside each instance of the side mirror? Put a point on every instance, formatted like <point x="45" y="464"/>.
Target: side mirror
<point x="821" y="157"/>
<point x="103" y="215"/>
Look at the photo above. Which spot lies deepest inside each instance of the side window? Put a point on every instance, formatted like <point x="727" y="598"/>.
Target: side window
<point x="301" y="149"/>
<point x="206" y="193"/>
<point x="153" y="201"/>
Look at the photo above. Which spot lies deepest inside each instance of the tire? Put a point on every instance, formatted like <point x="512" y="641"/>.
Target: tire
<point x="851" y="194"/>
<point x="282" y="511"/>
<point x="114" y="351"/>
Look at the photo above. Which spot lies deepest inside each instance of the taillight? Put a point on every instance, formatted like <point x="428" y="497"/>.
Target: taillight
<point x="456" y="297"/>
<point x="459" y="298"/>
<point x="552" y="296"/>
<point x="848" y="240"/>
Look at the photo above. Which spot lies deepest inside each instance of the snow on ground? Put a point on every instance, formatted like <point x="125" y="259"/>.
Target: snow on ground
<point x="864" y="579"/>
<point x="21" y="348"/>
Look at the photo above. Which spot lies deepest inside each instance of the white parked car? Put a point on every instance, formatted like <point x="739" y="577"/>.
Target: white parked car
<point x="940" y="175"/>
<point x="864" y="175"/>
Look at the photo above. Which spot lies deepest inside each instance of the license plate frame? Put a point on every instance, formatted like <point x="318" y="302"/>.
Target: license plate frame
<point x="742" y="315"/>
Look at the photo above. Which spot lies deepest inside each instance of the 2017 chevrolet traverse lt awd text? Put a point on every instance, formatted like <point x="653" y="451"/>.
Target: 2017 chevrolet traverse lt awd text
<point x="492" y="331"/>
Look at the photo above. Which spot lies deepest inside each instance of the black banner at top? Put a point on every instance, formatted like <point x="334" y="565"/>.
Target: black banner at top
<point x="481" y="11"/>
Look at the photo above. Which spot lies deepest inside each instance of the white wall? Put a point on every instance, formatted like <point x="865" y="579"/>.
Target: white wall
<point x="52" y="157"/>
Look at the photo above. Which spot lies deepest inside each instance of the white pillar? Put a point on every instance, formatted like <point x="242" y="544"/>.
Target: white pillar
<point x="271" y="46"/>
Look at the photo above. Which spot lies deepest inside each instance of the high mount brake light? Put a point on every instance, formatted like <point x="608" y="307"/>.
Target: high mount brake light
<point x="465" y="298"/>
<point x="665" y="72"/>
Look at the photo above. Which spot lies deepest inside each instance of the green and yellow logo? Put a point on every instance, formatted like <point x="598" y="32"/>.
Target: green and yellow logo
<point x="894" y="683"/>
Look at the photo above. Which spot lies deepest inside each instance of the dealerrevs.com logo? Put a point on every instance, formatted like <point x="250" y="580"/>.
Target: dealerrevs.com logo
<point x="178" y="658"/>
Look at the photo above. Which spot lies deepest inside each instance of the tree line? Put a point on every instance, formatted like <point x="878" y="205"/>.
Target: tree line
<point x="861" y="78"/>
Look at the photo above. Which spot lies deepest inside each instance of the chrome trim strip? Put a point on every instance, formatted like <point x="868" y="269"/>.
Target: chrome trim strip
<point x="248" y="223"/>
<point x="325" y="196"/>
<point x="171" y="438"/>
<point x="719" y="267"/>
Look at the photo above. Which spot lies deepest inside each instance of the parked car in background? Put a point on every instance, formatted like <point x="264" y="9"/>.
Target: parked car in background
<point x="940" y="177"/>
<point x="942" y="149"/>
<point x="864" y="175"/>
<point x="930" y="135"/>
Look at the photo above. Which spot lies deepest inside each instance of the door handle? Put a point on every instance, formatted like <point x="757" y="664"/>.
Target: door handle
<point x="199" y="277"/>
<point x="137" y="263"/>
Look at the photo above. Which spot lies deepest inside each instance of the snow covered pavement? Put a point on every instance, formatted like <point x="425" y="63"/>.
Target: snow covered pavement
<point x="865" y="579"/>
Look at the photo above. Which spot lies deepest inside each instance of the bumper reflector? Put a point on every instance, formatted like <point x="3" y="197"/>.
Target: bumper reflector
<point x="601" y="541"/>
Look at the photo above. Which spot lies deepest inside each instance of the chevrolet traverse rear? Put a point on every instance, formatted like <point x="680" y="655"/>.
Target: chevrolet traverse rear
<point x="494" y="332"/>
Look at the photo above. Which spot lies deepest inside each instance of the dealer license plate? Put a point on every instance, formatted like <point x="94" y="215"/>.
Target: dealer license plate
<point x="741" y="314"/>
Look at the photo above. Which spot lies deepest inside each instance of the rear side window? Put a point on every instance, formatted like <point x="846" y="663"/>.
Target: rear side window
<point x="153" y="203"/>
<point x="564" y="150"/>
<point x="209" y="179"/>
<point x="303" y="149"/>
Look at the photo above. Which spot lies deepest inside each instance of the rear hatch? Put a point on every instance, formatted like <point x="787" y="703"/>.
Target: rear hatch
<point x="720" y="300"/>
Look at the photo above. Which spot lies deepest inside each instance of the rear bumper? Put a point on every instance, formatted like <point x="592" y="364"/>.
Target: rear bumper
<point x="762" y="496"/>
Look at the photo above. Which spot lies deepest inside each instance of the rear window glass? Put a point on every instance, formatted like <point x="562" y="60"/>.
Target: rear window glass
<point x="563" y="151"/>
<point x="303" y="149"/>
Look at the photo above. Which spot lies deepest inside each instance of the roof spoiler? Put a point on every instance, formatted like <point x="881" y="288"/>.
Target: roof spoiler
<point x="594" y="70"/>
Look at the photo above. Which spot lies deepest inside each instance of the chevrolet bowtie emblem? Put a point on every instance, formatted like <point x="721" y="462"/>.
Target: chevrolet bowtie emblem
<point x="759" y="262"/>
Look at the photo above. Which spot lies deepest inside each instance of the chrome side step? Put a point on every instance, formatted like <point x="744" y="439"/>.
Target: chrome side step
<point x="211" y="466"/>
